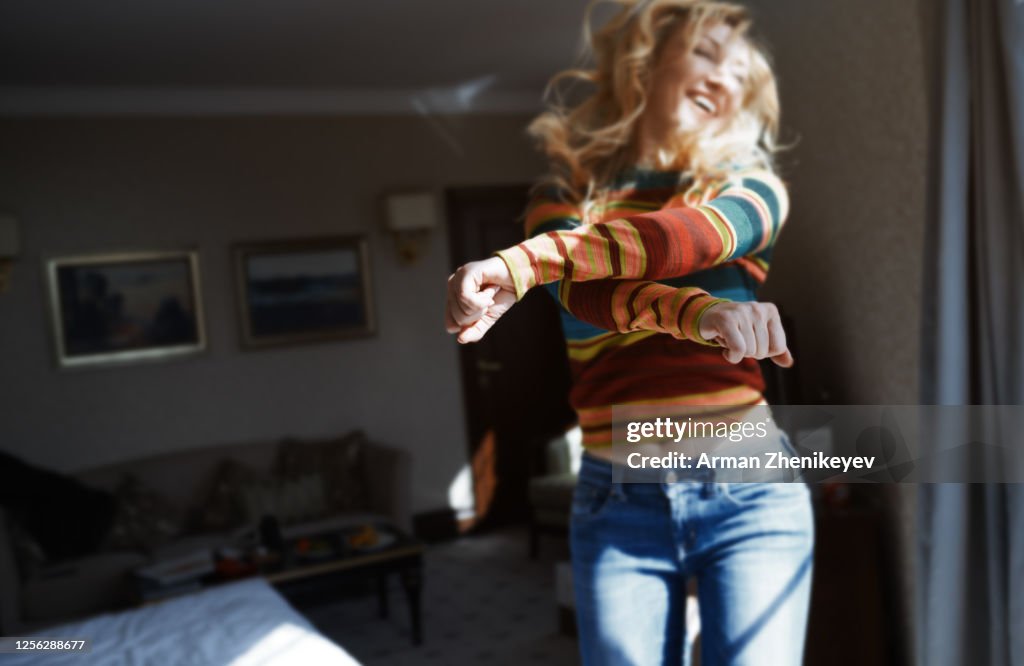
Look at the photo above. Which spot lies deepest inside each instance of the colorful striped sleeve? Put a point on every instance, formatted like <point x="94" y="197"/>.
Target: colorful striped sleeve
<point x="620" y="305"/>
<point x="743" y="219"/>
<point x="633" y="305"/>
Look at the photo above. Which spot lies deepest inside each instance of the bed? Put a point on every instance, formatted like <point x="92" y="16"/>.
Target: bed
<point x="242" y="624"/>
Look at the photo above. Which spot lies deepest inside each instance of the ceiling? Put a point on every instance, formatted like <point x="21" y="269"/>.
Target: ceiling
<point x="301" y="51"/>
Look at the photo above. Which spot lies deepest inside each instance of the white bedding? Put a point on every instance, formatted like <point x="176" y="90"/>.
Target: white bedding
<point x="242" y="624"/>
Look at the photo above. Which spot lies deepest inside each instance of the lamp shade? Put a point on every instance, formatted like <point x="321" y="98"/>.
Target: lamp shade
<point x="413" y="211"/>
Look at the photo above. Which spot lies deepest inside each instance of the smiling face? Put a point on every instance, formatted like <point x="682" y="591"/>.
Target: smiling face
<point x="696" y="86"/>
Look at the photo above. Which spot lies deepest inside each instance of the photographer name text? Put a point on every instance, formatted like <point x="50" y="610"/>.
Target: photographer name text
<point x="768" y="460"/>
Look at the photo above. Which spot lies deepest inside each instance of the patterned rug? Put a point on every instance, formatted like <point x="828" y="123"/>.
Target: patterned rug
<point x="484" y="602"/>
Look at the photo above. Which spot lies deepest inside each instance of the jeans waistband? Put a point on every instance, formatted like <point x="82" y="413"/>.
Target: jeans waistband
<point x="603" y="471"/>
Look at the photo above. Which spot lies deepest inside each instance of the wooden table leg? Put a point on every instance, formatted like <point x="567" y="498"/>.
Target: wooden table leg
<point x="382" y="595"/>
<point x="412" y="582"/>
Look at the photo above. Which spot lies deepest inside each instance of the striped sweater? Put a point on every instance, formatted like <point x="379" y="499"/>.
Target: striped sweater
<point x="634" y="279"/>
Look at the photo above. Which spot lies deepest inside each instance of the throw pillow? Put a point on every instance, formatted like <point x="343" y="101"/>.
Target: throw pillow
<point x="338" y="462"/>
<point x="144" y="519"/>
<point x="224" y="508"/>
<point x="242" y="495"/>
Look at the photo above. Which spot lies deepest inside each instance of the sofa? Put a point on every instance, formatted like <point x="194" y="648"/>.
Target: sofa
<point x="193" y="500"/>
<point x="550" y="491"/>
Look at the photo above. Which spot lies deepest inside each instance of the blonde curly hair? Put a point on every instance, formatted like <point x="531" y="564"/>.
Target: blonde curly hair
<point x="588" y="143"/>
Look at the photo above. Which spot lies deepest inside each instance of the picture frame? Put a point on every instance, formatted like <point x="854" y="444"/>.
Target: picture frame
<point x="303" y="290"/>
<point x="109" y="309"/>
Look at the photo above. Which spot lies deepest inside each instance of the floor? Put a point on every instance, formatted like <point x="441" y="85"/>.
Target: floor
<point x="484" y="602"/>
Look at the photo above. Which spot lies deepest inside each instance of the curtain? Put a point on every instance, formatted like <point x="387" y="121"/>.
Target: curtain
<point x="970" y="576"/>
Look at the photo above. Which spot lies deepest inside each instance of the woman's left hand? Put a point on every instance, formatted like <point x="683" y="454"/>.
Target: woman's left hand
<point x="747" y="329"/>
<point x="478" y="294"/>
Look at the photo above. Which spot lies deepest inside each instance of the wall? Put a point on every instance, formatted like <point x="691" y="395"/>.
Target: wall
<point x="848" y="267"/>
<point x="96" y="185"/>
<point x="853" y="82"/>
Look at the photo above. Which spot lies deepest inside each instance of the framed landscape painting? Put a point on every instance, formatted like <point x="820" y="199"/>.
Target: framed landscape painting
<point x="306" y="290"/>
<point x="118" y="308"/>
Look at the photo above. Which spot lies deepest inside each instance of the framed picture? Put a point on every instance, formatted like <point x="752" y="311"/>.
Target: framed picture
<point x="307" y="290"/>
<point x="120" y="308"/>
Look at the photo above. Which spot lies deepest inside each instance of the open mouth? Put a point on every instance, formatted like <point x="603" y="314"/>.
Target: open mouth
<point x="704" y="103"/>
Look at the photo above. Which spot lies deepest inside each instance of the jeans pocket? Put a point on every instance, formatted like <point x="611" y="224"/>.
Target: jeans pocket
<point x="589" y="499"/>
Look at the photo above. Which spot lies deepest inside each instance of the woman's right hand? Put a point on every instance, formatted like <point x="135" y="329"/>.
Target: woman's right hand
<point x="747" y="330"/>
<point x="478" y="294"/>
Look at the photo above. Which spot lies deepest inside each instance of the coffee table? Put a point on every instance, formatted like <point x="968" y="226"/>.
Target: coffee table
<point x="403" y="556"/>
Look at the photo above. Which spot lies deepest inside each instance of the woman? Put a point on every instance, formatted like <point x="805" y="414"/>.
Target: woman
<point x="653" y="230"/>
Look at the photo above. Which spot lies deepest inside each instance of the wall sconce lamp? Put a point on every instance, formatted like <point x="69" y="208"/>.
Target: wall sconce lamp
<point x="410" y="217"/>
<point x="9" y="248"/>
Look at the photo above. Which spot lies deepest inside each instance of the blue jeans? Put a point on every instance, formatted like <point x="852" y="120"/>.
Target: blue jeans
<point x="635" y="545"/>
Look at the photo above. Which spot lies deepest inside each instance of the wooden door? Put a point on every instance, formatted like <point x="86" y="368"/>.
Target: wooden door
<point x="516" y="380"/>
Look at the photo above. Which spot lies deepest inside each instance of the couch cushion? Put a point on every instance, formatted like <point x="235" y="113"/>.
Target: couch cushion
<point x="145" y="519"/>
<point x="184" y="477"/>
<point x="80" y="587"/>
<point x="242" y="495"/>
